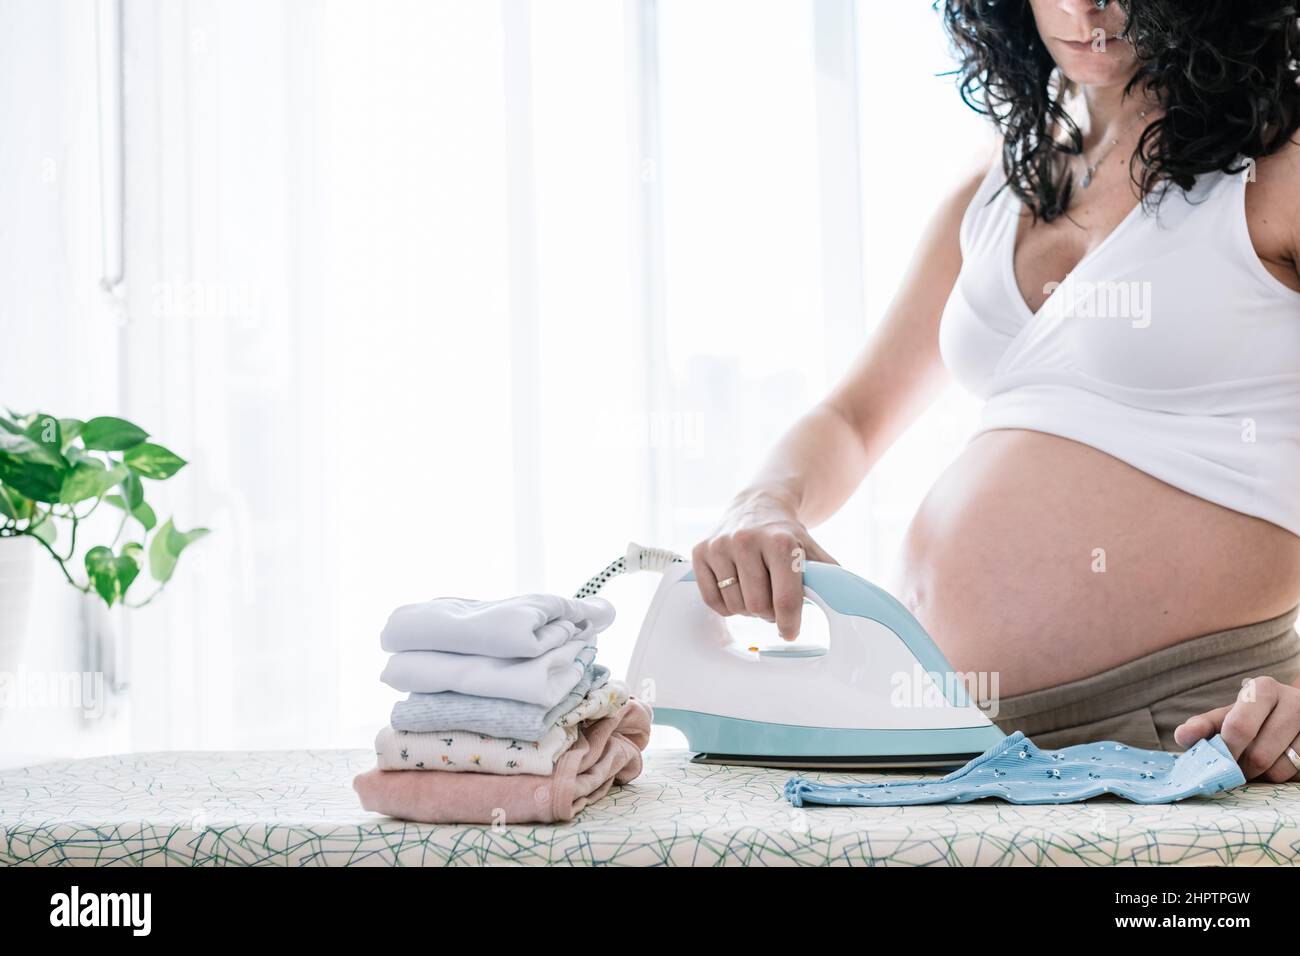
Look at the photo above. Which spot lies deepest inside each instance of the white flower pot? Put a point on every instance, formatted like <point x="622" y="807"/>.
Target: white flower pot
<point x="17" y="565"/>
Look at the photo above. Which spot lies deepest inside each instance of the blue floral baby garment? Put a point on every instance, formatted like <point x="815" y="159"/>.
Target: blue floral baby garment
<point x="1018" y="772"/>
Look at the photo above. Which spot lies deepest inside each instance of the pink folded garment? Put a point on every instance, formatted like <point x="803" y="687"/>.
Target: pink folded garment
<point x="607" y="752"/>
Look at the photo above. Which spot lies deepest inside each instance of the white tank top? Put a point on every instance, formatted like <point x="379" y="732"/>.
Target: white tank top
<point x="1170" y="346"/>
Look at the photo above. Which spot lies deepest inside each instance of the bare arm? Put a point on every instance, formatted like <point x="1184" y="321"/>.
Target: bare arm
<point x="821" y="461"/>
<point x="824" y="456"/>
<point x="1273" y="213"/>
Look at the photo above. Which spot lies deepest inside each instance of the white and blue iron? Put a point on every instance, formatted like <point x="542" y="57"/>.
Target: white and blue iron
<point x="849" y="704"/>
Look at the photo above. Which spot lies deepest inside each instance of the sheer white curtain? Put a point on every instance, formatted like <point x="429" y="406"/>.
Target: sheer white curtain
<point x="58" y="330"/>
<point x="459" y="297"/>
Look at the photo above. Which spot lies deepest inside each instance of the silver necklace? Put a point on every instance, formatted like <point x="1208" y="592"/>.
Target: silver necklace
<point x="1091" y="168"/>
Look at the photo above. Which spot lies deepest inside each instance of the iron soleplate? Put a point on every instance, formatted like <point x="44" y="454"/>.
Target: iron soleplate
<point x="888" y="762"/>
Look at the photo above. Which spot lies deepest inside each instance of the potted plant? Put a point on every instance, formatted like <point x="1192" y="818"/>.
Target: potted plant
<point x="54" y="474"/>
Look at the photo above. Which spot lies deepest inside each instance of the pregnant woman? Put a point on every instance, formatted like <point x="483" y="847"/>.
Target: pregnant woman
<point x="1120" y="540"/>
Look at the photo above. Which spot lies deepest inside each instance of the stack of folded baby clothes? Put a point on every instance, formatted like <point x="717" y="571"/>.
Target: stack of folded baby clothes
<point x="509" y="709"/>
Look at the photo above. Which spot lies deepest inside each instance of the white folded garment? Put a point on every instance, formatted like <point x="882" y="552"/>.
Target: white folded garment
<point x="544" y="679"/>
<point x="523" y="626"/>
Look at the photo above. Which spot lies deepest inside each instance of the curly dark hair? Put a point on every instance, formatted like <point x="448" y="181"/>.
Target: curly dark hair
<point x="1224" y="71"/>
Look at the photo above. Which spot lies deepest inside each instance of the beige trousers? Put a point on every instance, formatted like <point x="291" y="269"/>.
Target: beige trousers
<point x="1141" y="702"/>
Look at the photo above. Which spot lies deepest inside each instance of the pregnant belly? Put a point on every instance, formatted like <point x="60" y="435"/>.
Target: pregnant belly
<point x="1044" y="561"/>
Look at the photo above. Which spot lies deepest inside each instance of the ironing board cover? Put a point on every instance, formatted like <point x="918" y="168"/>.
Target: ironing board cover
<point x="297" y="808"/>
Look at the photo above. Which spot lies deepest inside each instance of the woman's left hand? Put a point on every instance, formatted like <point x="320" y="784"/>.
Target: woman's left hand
<point x="1259" y="729"/>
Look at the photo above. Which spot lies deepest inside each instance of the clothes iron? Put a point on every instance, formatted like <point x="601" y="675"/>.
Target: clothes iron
<point x="879" y="695"/>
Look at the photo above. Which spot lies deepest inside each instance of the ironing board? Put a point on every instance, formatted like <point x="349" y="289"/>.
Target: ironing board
<point x="297" y="808"/>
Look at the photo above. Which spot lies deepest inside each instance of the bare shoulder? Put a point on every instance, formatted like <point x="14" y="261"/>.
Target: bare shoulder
<point x="976" y="166"/>
<point x="1278" y="174"/>
<point x="970" y="175"/>
<point x="1273" y="196"/>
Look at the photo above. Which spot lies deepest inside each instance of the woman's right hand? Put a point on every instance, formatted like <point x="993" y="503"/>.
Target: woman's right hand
<point x="762" y="545"/>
